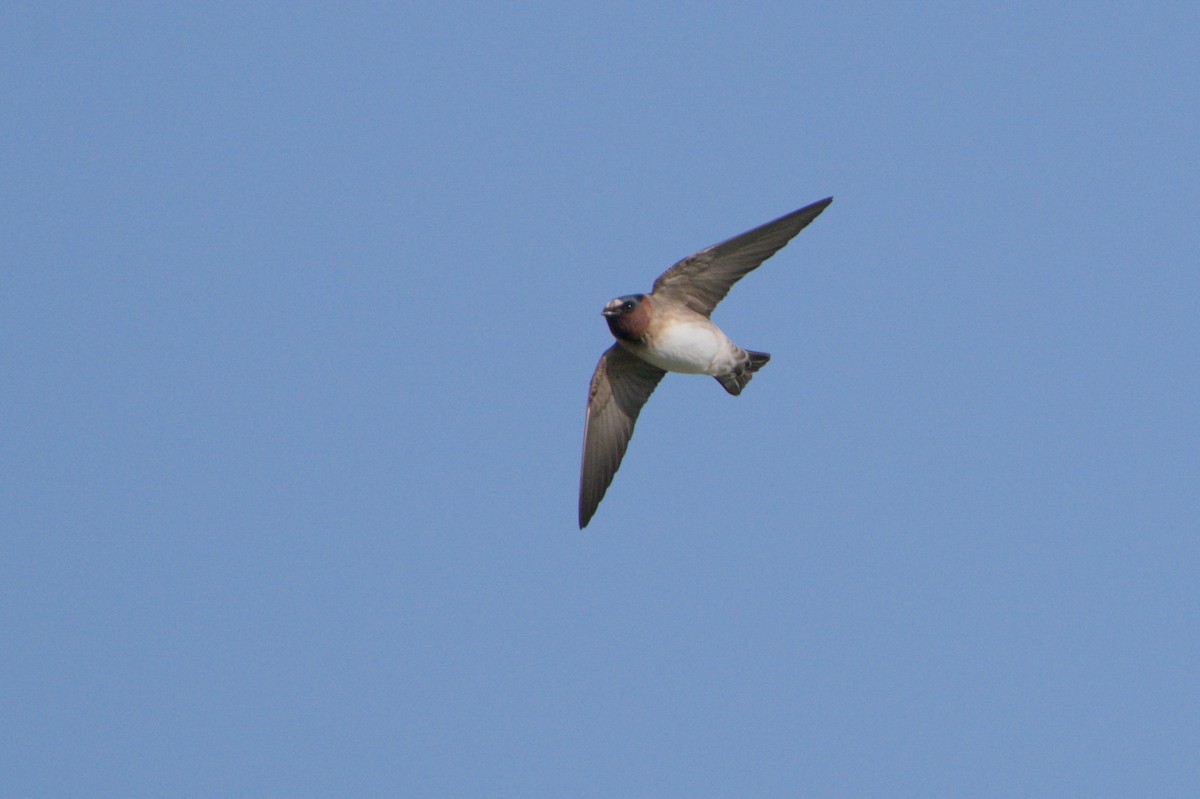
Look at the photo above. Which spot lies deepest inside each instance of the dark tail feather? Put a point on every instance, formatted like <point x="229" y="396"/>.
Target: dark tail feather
<point x="736" y="380"/>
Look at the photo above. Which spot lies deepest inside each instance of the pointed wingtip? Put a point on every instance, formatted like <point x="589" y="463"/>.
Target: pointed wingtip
<point x="587" y="503"/>
<point x="809" y="212"/>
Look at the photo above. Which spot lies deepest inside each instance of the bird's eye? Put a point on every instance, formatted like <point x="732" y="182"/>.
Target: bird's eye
<point x="628" y="305"/>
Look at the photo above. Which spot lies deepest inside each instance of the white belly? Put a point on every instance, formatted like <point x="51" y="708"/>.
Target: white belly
<point x="691" y="349"/>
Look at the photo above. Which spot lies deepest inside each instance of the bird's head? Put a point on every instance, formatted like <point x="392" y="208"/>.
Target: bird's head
<point x="629" y="316"/>
<point x="623" y="305"/>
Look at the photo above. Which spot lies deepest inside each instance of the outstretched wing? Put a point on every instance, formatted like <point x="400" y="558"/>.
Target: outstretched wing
<point x="620" y="387"/>
<point x="702" y="280"/>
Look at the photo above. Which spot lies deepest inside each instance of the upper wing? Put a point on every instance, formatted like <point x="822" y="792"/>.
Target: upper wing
<point x="620" y="387"/>
<point x="702" y="280"/>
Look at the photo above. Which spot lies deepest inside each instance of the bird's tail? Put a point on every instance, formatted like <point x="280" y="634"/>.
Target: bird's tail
<point x="736" y="380"/>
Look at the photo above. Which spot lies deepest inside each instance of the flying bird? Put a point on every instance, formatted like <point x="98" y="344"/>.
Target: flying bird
<point x="669" y="330"/>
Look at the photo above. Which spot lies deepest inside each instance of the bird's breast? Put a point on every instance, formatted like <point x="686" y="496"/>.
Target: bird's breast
<point x="691" y="347"/>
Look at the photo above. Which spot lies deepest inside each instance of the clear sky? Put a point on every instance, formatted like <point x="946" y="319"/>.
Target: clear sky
<point x="298" y="308"/>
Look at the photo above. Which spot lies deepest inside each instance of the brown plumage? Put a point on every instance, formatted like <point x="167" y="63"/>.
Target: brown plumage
<point x="632" y="323"/>
<point x="670" y="330"/>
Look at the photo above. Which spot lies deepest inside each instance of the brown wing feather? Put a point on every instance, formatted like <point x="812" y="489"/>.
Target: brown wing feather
<point x="702" y="280"/>
<point x="620" y="387"/>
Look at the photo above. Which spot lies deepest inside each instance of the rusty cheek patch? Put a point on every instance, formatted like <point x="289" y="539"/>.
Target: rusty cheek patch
<point x="632" y="325"/>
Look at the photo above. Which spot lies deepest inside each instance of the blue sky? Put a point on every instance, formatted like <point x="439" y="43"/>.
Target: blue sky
<point x="298" y="310"/>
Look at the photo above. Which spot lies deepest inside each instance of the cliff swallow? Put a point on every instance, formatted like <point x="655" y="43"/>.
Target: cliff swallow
<point x="669" y="330"/>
